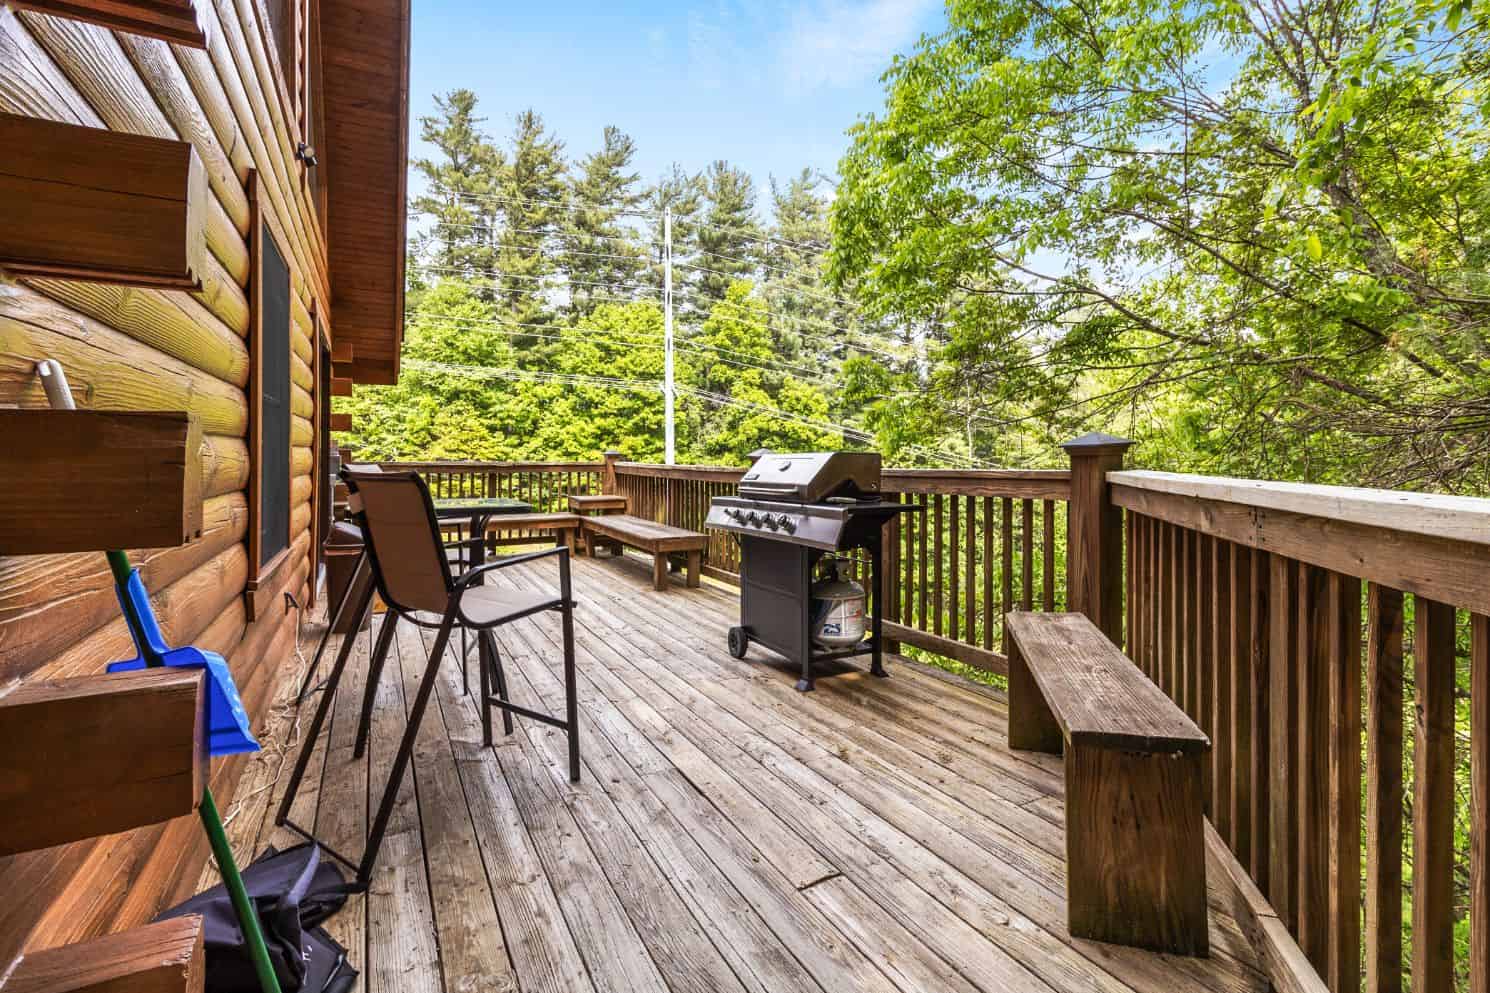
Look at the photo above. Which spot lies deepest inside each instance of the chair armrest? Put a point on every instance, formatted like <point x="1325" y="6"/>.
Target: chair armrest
<point x="470" y="577"/>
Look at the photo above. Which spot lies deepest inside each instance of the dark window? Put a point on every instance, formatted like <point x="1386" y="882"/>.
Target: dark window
<point x="274" y="386"/>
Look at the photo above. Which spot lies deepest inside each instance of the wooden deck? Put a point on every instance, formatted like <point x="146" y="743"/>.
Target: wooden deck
<point x="729" y="834"/>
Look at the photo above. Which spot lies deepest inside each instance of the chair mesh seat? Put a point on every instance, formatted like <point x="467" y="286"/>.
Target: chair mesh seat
<point x="483" y="605"/>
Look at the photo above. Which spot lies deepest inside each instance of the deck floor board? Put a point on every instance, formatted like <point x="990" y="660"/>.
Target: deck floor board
<point x="728" y="834"/>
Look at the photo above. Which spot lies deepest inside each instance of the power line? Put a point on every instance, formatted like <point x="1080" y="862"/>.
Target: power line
<point x="548" y="332"/>
<point x="645" y="386"/>
<point x="555" y="232"/>
<point x="534" y="201"/>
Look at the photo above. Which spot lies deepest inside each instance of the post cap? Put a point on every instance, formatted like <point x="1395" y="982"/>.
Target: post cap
<point x="612" y="453"/>
<point x="1096" y="441"/>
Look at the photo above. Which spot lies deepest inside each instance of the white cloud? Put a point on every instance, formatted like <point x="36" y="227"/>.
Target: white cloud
<point x="837" y="43"/>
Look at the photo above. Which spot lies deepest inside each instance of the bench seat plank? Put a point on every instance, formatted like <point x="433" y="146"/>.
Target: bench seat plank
<point x="512" y="522"/>
<point x="1096" y="694"/>
<point x="649" y="536"/>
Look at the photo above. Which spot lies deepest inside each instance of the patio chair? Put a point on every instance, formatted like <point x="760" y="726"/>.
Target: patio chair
<point x="411" y="571"/>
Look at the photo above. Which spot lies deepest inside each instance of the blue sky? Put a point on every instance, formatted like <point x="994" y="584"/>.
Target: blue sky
<point x="770" y="86"/>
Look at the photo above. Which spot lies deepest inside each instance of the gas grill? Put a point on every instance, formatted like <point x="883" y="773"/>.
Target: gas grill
<point x="792" y="512"/>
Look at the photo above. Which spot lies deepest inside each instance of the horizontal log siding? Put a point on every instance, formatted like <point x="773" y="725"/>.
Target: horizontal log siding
<point x="133" y="349"/>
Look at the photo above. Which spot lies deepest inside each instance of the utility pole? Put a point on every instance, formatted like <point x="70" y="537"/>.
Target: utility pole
<point x="667" y="333"/>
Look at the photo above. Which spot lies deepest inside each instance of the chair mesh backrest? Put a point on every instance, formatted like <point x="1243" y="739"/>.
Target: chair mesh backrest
<point x="403" y="536"/>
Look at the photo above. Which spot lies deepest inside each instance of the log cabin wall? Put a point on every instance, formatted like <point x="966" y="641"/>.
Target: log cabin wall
<point x="127" y="348"/>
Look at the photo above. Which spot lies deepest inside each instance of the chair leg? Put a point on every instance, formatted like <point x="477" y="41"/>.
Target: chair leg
<point x="374" y="673"/>
<point x="481" y="663"/>
<point x="465" y="665"/>
<point x="571" y="702"/>
<point x="494" y="654"/>
<point x="401" y="759"/>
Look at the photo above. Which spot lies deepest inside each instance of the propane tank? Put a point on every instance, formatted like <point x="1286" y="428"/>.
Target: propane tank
<point x="837" y="609"/>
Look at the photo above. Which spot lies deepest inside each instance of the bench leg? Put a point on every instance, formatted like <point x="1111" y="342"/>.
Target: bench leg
<point x="1135" y="849"/>
<point x="695" y="569"/>
<point x="589" y="540"/>
<point x="659" y="571"/>
<point x="1032" y="726"/>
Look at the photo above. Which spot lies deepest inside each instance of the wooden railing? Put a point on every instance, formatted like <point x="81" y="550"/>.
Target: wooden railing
<point x="1298" y="625"/>
<point x="1245" y="604"/>
<point x="545" y="485"/>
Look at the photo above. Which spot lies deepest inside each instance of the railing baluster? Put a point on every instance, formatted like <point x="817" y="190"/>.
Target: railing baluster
<point x="970" y="616"/>
<point x="1006" y="566"/>
<point x="955" y="563"/>
<point x="1027" y="555"/>
<point x="1283" y="747"/>
<point x="1343" y="969"/>
<point x="989" y="608"/>
<point x="1219" y="710"/>
<point x="936" y="590"/>
<point x="1201" y="663"/>
<point x="1311" y="773"/>
<point x="922" y="592"/>
<point x="1260" y="643"/>
<point x="1433" y="797"/>
<point x="1384" y="790"/>
<point x="1047" y="538"/>
<point x="1242" y="729"/>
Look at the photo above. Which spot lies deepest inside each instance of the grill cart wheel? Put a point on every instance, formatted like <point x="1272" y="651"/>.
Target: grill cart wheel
<point x="739" y="642"/>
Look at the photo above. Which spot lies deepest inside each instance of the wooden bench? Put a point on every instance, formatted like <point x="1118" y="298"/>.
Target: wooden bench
<point x="661" y="541"/>
<point x="564" y="526"/>
<point x="1135" y="823"/>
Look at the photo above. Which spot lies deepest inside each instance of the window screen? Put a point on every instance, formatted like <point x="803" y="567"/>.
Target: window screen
<point x="274" y="383"/>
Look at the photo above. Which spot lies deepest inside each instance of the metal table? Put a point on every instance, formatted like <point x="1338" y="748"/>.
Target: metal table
<point x="478" y="511"/>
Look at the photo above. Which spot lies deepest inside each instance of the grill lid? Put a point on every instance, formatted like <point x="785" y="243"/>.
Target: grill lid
<point x="812" y="477"/>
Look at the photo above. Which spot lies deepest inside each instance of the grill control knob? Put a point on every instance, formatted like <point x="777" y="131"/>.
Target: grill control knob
<point x="753" y="519"/>
<point x="787" y="524"/>
<point x="771" y="522"/>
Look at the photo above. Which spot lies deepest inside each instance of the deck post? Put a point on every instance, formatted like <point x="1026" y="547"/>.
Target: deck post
<point x="1094" y="538"/>
<point x="609" y="459"/>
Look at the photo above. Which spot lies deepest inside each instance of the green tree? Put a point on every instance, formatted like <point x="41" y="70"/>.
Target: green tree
<point x="1270" y="216"/>
<point x="600" y="255"/>
<point x="743" y="398"/>
<point x="463" y="237"/>
<point x="728" y="239"/>
<point x="532" y="189"/>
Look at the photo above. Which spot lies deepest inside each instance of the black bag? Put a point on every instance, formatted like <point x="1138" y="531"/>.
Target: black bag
<point x="293" y="892"/>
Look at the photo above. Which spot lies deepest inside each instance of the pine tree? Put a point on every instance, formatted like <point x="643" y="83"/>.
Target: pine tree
<point x="729" y="238"/>
<point x="531" y="191"/>
<point x="804" y="315"/>
<point x="462" y="241"/>
<point x="601" y="258"/>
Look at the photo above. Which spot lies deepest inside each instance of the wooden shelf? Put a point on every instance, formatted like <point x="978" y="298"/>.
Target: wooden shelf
<point x="102" y="206"/>
<point x="94" y="480"/>
<point x="165" y="957"/>
<point x="170" y="20"/>
<point x="99" y="754"/>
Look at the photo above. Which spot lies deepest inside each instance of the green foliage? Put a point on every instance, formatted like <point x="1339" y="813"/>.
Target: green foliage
<point x="1269" y="221"/>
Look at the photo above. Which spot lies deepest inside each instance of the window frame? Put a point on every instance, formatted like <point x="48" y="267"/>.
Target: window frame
<point x="262" y="576"/>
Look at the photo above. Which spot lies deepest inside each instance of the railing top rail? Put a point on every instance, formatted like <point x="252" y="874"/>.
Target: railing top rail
<point x="1035" y="484"/>
<point x="477" y="466"/>
<point x="723" y="473"/>
<point x="1032" y="483"/>
<point x="1435" y="515"/>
